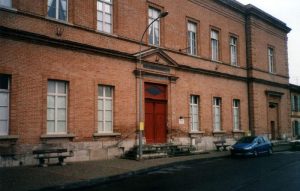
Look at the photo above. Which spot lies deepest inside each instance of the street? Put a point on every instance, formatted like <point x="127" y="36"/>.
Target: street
<point x="281" y="171"/>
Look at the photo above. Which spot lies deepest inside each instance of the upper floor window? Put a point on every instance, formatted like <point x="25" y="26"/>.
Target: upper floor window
<point x="57" y="107"/>
<point x="5" y="3"/>
<point x="4" y="104"/>
<point x="58" y="9"/>
<point x="271" y="60"/>
<point x="217" y="113"/>
<point x="295" y="102"/>
<point x="236" y="114"/>
<point x="104" y="15"/>
<point x="105" y="109"/>
<point x="154" y="29"/>
<point x="192" y="38"/>
<point x="194" y="113"/>
<point x="233" y="51"/>
<point x="214" y="45"/>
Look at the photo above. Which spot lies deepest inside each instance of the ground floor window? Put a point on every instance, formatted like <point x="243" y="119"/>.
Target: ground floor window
<point x="296" y="127"/>
<point x="236" y="114"/>
<point x="105" y="109"/>
<point x="4" y="104"/>
<point x="217" y="113"/>
<point x="57" y="107"/>
<point x="194" y="113"/>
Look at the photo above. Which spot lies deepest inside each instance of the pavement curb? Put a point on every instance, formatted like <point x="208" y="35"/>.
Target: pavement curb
<point x="96" y="181"/>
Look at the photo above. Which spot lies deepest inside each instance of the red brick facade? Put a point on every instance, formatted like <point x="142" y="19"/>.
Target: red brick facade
<point x="36" y="48"/>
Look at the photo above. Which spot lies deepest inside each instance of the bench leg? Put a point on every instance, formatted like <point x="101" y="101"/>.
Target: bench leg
<point x="61" y="161"/>
<point x="42" y="163"/>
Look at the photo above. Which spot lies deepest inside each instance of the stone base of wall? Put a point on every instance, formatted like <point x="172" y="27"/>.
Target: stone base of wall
<point x="83" y="151"/>
<point x="100" y="150"/>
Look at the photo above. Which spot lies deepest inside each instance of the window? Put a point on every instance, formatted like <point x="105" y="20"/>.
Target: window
<point x="217" y="113"/>
<point x="105" y="109"/>
<point x="4" y="104"/>
<point x="194" y="113"/>
<point x="192" y="38"/>
<point x="295" y="103"/>
<point x="154" y="29"/>
<point x="296" y="127"/>
<point x="57" y="9"/>
<point x="236" y="114"/>
<point x="57" y="107"/>
<point x="233" y="51"/>
<point x="214" y="45"/>
<point x="104" y="15"/>
<point x="271" y="60"/>
<point x="5" y="3"/>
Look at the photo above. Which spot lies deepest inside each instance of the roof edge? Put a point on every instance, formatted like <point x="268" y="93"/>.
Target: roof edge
<point x="253" y="10"/>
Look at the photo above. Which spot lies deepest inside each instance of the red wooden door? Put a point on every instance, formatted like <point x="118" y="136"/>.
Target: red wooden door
<point x="155" y="121"/>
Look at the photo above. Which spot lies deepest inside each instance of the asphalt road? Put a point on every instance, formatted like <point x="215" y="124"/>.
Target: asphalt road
<point x="281" y="171"/>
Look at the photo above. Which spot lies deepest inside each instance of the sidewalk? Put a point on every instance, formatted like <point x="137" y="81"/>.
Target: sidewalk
<point x="75" y="175"/>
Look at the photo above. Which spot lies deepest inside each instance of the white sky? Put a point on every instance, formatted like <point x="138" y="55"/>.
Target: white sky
<point x="287" y="11"/>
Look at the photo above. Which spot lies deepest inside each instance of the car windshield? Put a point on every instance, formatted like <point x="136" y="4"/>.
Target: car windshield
<point x="246" y="140"/>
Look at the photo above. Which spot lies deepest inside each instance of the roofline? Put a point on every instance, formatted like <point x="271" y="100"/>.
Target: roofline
<point x="251" y="10"/>
<point x="294" y="88"/>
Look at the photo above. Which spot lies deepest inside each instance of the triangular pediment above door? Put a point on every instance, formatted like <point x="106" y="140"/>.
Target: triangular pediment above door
<point x="157" y="56"/>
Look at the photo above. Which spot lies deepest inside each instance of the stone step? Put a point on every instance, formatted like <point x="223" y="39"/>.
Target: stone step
<point x="160" y="150"/>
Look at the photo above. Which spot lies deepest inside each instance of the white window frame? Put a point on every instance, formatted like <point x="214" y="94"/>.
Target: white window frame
<point x="104" y="98"/>
<point x="153" y="14"/>
<point x="271" y="60"/>
<point x="217" y="116"/>
<point x="236" y="114"/>
<point x="215" y="52"/>
<point x="6" y="3"/>
<point x="57" y="10"/>
<point x="194" y="113"/>
<point x="56" y="95"/>
<point x="192" y="37"/>
<point x="7" y="91"/>
<point x="233" y="51"/>
<point x="106" y="4"/>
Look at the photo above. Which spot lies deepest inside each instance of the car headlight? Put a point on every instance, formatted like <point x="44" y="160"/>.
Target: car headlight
<point x="248" y="148"/>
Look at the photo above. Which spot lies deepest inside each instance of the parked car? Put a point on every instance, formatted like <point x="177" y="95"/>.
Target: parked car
<point x="251" y="146"/>
<point x="295" y="144"/>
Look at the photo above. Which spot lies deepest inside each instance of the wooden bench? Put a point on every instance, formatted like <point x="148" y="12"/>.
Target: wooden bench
<point x="221" y="145"/>
<point x="53" y="152"/>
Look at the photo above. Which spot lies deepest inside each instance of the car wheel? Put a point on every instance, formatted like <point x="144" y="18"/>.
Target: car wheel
<point x="270" y="151"/>
<point x="255" y="153"/>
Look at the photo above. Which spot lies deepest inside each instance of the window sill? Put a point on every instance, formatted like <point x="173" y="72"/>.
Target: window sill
<point x="55" y="136"/>
<point x="238" y="131"/>
<point x="219" y="132"/>
<point x="196" y="132"/>
<point x="106" y="134"/>
<point x="216" y="61"/>
<point x="59" y="21"/>
<point x="9" y="137"/>
<point x="8" y="8"/>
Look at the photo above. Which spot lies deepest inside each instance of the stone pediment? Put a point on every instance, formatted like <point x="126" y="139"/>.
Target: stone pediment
<point x="157" y="56"/>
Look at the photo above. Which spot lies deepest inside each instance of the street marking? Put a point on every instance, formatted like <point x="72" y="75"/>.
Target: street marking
<point x="169" y="170"/>
<point x="284" y="152"/>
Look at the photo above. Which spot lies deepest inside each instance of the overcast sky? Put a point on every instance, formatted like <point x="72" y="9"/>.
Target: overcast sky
<point x="287" y="11"/>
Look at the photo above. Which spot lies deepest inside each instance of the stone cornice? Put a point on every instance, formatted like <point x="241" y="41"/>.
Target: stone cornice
<point x="251" y="10"/>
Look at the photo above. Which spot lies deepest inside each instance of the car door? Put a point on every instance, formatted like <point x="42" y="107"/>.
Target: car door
<point x="260" y="145"/>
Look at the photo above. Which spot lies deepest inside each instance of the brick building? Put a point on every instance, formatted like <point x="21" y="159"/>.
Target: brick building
<point x="295" y="109"/>
<point x="71" y="72"/>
